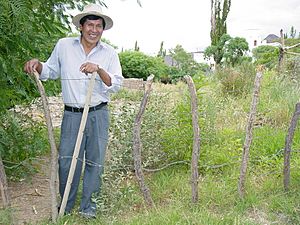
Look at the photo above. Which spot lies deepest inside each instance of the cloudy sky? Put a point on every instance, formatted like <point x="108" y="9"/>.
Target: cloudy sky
<point x="188" y="22"/>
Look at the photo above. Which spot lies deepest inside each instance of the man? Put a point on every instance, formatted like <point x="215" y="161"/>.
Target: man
<point x="73" y="60"/>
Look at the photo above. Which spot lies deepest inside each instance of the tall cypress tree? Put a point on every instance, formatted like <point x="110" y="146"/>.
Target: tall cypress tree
<point x="218" y="25"/>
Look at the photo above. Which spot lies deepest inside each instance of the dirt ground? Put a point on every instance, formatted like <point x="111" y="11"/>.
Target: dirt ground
<point x="31" y="199"/>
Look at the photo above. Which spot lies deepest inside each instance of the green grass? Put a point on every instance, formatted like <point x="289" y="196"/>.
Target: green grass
<point x="5" y="216"/>
<point x="265" y="202"/>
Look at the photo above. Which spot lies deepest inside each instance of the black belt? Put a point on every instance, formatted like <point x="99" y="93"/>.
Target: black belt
<point x="93" y="108"/>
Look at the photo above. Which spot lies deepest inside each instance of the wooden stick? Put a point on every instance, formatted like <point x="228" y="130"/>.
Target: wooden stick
<point x="196" y="141"/>
<point x="53" y="173"/>
<point x="288" y="143"/>
<point x="248" y="139"/>
<point x="137" y="145"/>
<point x="281" y="52"/>
<point x="78" y="144"/>
<point x="3" y="186"/>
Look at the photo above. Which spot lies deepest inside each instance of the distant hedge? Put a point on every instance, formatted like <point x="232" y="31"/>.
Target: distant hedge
<point x="136" y="64"/>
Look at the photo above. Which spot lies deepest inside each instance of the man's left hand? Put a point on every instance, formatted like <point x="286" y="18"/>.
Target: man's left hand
<point x="88" y="67"/>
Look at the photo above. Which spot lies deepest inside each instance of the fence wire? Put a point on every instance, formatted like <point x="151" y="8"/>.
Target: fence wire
<point x="163" y="98"/>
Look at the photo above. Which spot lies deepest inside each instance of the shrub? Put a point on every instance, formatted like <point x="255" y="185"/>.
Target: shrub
<point x="292" y="68"/>
<point x="266" y="55"/>
<point x="237" y="81"/>
<point x="184" y="64"/>
<point x="139" y="65"/>
<point x="20" y="141"/>
<point x="177" y="135"/>
<point x="119" y="163"/>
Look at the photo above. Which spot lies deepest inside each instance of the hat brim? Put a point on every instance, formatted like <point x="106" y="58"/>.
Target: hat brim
<point x="108" y="21"/>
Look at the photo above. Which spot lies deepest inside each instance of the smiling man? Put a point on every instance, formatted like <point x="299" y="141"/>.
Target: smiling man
<point x="73" y="60"/>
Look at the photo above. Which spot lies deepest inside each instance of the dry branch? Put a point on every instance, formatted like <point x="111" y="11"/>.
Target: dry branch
<point x="137" y="145"/>
<point x="53" y="173"/>
<point x="288" y="144"/>
<point x="293" y="46"/>
<point x="248" y="140"/>
<point x="281" y="52"/>
<point x="34" y="210"/>
<point x="293" y="53"/>
<point x="3" y="186"/>
<point x="196" y="141"/>
<point x="166" y="166"/>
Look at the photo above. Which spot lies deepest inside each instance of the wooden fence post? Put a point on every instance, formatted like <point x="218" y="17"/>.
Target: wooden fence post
<point x="53" y="173"/>
<point x="137" y="145"/>
<point x="248" y="139"/>
<point x="196" y="141"/>
<point x="3" y="186"/>
<point x="281" y="52"/>
<point x="287" y="149"/>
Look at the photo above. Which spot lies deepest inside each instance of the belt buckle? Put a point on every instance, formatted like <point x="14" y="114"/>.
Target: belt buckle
<point x="75" y="109"/>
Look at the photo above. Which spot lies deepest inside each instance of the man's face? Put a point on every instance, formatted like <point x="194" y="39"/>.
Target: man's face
<point x="92" y="31"/>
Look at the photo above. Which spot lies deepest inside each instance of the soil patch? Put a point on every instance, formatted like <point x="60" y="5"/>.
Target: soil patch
<point x="31" y="199"/>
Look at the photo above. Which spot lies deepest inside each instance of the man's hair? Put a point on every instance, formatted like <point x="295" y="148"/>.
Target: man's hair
<point x="92" y="17"/>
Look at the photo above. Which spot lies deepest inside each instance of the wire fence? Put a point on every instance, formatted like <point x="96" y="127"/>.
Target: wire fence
<point x="171" y="95"/>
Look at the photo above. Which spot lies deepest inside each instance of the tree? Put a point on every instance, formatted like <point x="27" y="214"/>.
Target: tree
<point x="162" y="51"/>
<point x="235" y="50"/>
<point x="293" y="32"/>
<point x="184" y="63"/>
<point x="230" y="50"/>
<point x="218" y="25"/>
<point x="217" y="50"/>
<point x="136" y="47"/>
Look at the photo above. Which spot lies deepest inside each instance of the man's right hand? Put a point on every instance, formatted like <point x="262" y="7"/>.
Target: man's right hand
<point x="33" y="65"/>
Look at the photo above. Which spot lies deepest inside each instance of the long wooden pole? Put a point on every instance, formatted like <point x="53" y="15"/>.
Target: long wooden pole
<point x="249" y="131"/>
<point x="53" y="173"/>
<point x="137" y="145"/>
<point x="78" y="144"/>
<point x="3" y="186"/>
<point x="288" y="145"/>
<point x="196" y="141"/>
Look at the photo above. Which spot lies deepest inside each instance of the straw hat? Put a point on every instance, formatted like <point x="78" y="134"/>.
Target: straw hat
<point x="92" y="9"/>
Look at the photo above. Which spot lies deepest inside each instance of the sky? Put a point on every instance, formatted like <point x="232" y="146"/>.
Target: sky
<point x="188" y="22"/>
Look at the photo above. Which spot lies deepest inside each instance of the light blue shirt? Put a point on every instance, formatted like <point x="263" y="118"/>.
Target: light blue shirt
<point x="64" y="63"/>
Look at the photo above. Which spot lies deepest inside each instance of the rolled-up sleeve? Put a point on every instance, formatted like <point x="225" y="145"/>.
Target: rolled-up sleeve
<point x="115" y="73"/>
<point x="51" y="68"/>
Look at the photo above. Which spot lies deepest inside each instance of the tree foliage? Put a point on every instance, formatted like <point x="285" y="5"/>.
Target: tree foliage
<point x="235" y="50"/>
<point x="231" y="51"/>
<point x="266" y="55"/>
<point x="218" y="25"/>
<point x="217" y="49"/>
<point x="162" y="52"/>
<point x="136" y="64"/>
<point x="28" y="29"/>
<point x="184" y="63"/>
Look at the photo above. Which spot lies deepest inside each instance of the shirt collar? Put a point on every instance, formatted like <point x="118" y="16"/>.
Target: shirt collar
<point x="100" y="44"/>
